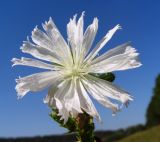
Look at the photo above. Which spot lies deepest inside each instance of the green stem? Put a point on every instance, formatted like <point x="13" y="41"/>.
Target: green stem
<point x="85" y="128"/>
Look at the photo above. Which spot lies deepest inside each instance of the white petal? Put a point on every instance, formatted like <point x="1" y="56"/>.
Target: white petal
<point x="75" y="31"/>
<point x="75" y="36"/>
<point x="68" y="96"/>
<point x="40" y="52"/>
<point x="112" y="52"/>
<point x="110" y="90"/>
<point x="41" y="39"/>
<point x="126" y="58"/>
<point x="85" y="101"/>
<point x="33" y="63"/>
<point x="49" y="99"/>
<point x="71" y="99"/>
<point x="36" y="82"/>
<point x="60" y="105"/>
<point x="101" y="43"/>
<point x="63" y="112"/>
<point x="60" y="45"/>
<point x="80" y="24"/>
<point x="98" y="94"/>
<point x="89" y="35"/>
<point x="71" y="31"/>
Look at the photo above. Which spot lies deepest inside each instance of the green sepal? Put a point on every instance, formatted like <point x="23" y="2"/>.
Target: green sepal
<point x="105" y="76"/>
<point x="70" y="124"/>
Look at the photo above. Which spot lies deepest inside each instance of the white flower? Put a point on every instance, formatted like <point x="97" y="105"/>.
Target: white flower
<point x="70" y="73"/>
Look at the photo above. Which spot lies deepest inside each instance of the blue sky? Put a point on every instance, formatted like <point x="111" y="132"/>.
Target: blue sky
<point x="140" y="20"/>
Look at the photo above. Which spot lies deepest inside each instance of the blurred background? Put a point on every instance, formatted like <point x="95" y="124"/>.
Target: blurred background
<point x="140" y="21"/>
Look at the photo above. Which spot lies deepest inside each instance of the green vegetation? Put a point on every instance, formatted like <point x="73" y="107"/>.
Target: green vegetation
<point x="112" y="136"/>
<point x="150" y="135"/>
<point x="153" y="111"/>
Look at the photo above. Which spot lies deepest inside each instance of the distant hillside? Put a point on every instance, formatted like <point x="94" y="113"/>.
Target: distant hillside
<point x="106" y="136"/>
<point x="150" y="135"/>
<point x="54" y="138"/>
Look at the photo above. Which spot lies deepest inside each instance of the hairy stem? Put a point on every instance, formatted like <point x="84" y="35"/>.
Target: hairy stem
<point x="85" y="128"/>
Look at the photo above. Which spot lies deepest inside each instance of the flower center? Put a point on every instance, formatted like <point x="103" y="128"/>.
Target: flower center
<point x="75" y="71"/>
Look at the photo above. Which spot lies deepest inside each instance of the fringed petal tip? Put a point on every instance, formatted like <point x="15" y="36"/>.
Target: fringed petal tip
<point x="26" y="43"/>
<point x="49" y="21"/>
<point x="83" y="13"/>
<point x="112" y="31"/>
<point x="17" y="80"/>
<point x="119" y="108"/>
<point x="98" y="118"/>
<point x="19" y="97"/>
<point x="72" y="20"/>
<point x="20" y="92"/>
<point x="36" y="33"/>
<point x="115" y="110"/>
<point x="118" y="27"/>
<point x="46" y="100"/>
<point x="125" y="102"/>
<point x="35" y="29"/>
<point x="96" y="24"/>
<point x="20" y="89"/>
<point x="140" y="64"/>
<point x="14" y="61"/>
<point x="17" y="61"/>
<point x="134" y="64"/>
<point x="48" y="24"/>
<point x="32" y="63"/>
<point x="75" y="17"/>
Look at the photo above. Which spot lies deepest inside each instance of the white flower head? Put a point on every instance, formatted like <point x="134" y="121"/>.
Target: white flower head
<point x="69" y="74"/>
